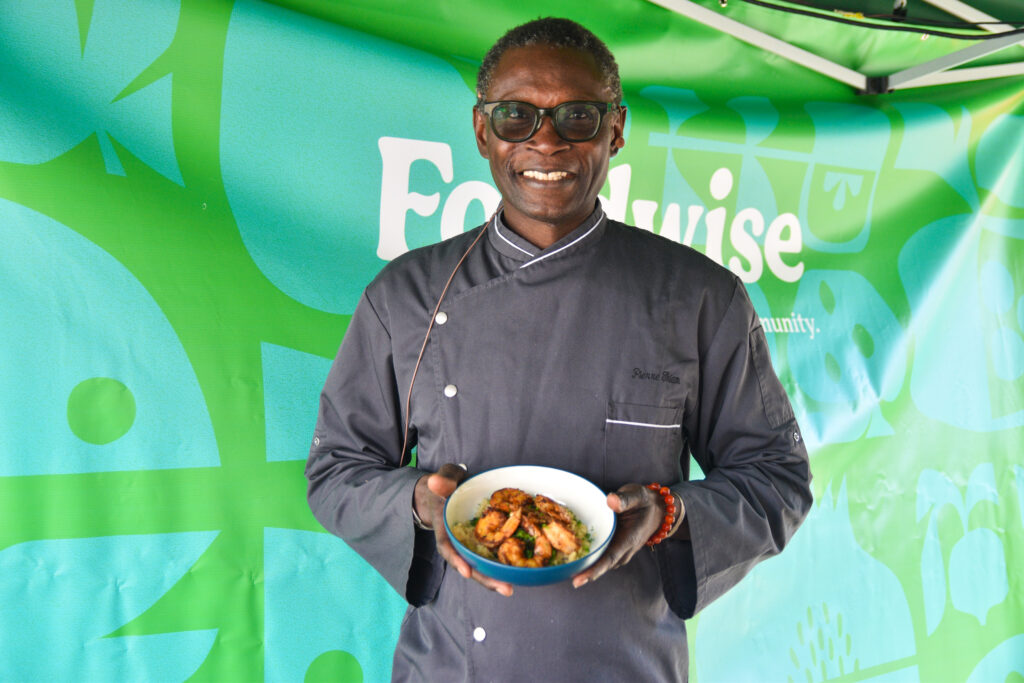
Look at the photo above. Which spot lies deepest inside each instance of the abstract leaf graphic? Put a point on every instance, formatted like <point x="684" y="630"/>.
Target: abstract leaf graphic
<point x="70" y="70"/>
<point x="72" y="593"/>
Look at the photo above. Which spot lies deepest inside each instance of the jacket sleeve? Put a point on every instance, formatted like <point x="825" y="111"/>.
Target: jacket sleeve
<point x="756" y="489"/>
<point x="357" y="488"/>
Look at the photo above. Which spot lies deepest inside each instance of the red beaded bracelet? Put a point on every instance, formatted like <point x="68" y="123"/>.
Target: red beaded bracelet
<point x="670" y="513"/>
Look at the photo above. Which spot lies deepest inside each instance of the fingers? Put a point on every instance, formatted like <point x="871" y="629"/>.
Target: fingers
<point x="638" y="514"/>
<point x="446" y="480"/>
<point x="442" y="484"/>
<point x="618" y="553"/>
<point x="609" y="560"/>
<point x="628" y="498"/>
<point x="499" y="587"/>
<point x="588" y="575"/>
<point x="454" y="472"/>
<point x="449" y="554"/>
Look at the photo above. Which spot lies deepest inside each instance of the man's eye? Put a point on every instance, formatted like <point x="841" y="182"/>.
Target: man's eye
<point x="580" y="115"/>
<point x="515" y="112"/>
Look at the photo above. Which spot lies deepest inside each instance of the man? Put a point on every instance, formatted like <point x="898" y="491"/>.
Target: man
<point x="563" y="339"/>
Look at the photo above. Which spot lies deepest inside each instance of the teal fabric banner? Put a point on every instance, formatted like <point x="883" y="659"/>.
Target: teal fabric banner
<point x="193" y="195"/>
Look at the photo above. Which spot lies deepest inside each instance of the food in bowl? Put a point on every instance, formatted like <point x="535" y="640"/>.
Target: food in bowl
<point x="524" y="530"/>
<point x="588" y="502"/>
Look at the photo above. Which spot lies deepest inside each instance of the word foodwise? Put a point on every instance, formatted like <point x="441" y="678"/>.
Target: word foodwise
<point x="782" y="236"/>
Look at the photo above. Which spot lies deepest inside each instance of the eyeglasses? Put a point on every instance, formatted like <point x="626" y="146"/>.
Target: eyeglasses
<point x="519" y="121"/>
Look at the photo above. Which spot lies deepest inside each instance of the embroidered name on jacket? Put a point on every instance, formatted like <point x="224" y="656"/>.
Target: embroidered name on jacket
<point x="665" y="376"/>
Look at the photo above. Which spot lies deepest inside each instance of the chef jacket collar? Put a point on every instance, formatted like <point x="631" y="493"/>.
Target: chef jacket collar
<point x="510" y="244"/>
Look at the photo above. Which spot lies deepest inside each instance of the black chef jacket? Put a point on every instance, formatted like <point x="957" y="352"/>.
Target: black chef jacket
<point x="614" y="354"/>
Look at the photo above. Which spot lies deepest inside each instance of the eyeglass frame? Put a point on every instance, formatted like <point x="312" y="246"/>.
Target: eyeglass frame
<point x="602" y="108"/>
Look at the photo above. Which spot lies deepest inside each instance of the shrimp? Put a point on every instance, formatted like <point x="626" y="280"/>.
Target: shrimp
<point x="561" y="537"/>
<point x="509" y="499"/>
<point x="513" y="552"/>
<point x="535" y="518"/>
<point x="552" y="509"/>
<point x="494" y="526"/>
<point x="541" y="545"/>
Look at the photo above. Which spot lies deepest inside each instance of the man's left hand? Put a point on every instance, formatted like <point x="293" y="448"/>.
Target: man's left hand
<point x="640" y="512"/>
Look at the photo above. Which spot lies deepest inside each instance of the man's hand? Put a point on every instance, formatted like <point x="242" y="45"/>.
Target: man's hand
<point x="432" y="490"/>
<point x="640" y="512"/>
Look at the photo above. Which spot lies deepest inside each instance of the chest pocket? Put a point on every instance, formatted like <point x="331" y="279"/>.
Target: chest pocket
<point x="641" y="444"/>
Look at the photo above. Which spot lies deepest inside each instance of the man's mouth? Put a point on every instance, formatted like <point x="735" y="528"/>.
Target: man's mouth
<point x="546" y="176"/>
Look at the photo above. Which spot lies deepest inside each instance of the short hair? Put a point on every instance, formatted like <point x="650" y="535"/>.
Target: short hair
<point x="556" y="33"/>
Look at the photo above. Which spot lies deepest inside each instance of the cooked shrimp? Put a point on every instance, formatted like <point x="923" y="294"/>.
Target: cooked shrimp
<point x="552" y="509"/>
<point x="541" y="545"/>
<point x="494" y="526"/>
<point x="534" y="517"/>
<point x="508" y="500"/>
<point x="561" y="538"/>
<point x="513" y="552"/>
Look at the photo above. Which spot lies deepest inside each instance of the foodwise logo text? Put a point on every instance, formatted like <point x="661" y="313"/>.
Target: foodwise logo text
<point x="760" y="245"/>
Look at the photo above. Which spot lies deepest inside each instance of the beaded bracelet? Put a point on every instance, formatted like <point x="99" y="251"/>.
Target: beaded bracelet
<point x="670" y="513"/>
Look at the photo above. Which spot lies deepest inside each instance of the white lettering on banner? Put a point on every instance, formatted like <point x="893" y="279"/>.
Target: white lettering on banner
<point x="453" y="217"/>
<point x="618" y="195"/>
<point x="744" y="243"/>
<point x="396" y="199"/>
<point x="783" y="236"/>
<point x="794" y="324"/>
<point x="777" y="240"/>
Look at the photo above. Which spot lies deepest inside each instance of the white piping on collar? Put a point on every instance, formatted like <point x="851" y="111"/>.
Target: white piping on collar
<point x="566" y="246"/>
<point x="497" y="229"/>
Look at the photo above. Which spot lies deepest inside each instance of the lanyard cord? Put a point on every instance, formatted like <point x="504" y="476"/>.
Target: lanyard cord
<point x="430" y="326"/>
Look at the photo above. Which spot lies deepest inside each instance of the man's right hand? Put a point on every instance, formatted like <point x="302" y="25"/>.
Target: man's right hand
<point x="432" y="490"/>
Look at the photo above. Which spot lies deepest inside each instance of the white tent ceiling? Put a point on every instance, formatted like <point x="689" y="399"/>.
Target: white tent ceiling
<point x="991" y="35"/>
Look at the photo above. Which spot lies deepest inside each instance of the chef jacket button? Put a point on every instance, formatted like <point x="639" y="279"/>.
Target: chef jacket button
<point x="479" y="634"/>
<point x="451" y="390"/>
<point x="441" y="318"/>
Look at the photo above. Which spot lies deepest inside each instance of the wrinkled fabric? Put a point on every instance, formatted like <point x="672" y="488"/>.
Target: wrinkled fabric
<point x="614" y="354"/>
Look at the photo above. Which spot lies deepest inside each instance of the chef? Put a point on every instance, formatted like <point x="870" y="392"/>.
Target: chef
<point x="552" y="335"/>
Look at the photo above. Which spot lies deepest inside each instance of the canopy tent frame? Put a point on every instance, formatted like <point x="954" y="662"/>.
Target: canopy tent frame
<point x="939" y="71"/>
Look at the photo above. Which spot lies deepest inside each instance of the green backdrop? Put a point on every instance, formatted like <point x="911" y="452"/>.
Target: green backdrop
<point x="193" y="194"/>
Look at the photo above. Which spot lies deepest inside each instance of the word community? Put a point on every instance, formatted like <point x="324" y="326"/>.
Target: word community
<point x="794" y="324"/>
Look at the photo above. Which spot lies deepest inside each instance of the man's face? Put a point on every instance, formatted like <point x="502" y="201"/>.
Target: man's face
<point x="548" y="184"/>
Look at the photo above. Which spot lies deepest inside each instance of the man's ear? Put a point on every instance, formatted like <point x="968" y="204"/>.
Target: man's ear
<point x="480" y="128"/>
<point x="618" y="141"/>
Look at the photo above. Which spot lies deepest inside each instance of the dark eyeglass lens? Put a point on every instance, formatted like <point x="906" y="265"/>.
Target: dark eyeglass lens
<point x="577" y="121"/>
<point x="517" y="121"/>
<point x="513" y="121"/>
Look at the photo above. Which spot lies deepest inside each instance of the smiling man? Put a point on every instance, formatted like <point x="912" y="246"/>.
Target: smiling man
<point x="554" y="336"/>
<point x="549" y="168"/>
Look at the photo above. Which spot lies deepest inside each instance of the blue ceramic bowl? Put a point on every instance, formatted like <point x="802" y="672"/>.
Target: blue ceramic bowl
<point x="586" y="500"/>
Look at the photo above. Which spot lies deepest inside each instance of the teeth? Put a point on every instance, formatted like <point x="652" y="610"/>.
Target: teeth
<point x="540" y="175"/>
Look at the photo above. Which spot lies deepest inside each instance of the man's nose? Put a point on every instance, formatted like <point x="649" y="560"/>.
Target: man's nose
<point x="547" y="138"/>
